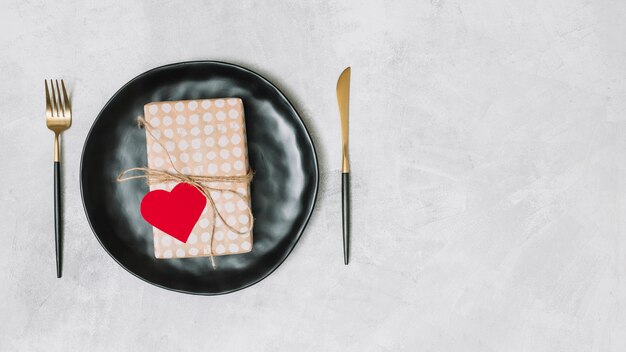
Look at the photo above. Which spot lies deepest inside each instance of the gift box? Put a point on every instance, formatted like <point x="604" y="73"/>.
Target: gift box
<point x="203" y="138"/>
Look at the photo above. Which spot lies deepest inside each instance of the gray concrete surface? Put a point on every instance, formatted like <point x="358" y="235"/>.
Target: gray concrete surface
<point x="488" y="156"/>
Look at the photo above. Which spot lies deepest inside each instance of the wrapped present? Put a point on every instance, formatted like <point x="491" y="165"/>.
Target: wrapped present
<point x="203" y="138"/>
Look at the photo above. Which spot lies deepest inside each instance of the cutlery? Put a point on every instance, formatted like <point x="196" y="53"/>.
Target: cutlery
<point x="58" y="119"/>
<point x="343" y="100"/>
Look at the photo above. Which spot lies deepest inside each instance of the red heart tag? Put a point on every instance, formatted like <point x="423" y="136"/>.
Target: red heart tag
<point x="175" y="212"/>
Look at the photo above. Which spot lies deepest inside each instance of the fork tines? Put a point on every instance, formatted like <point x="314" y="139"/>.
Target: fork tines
<point x="58" y="106"/>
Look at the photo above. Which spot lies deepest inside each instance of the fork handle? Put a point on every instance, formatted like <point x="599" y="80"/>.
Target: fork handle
<point x="57" y="216"/>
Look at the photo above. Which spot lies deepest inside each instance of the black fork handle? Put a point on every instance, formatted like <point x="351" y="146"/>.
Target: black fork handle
<point x="57" y="216"/>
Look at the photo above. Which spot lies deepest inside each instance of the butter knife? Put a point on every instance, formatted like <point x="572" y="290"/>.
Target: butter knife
<point x="343" y="100"/>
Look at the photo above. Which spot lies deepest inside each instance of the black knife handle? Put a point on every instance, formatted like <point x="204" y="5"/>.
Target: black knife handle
<point x="345" y="207"/>
<point x="57" y="216"/>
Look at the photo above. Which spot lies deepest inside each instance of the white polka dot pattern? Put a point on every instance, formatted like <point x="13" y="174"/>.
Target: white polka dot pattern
<point x="206" y="137"/>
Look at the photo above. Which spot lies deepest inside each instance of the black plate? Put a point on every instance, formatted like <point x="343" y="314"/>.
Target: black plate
<point x="283" y="191"/>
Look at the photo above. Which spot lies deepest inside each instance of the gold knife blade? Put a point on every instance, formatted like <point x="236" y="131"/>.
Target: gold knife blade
<point x="343" y="100"/>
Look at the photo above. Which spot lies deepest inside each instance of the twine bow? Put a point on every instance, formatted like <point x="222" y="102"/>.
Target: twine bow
<point x="204" y="184"/>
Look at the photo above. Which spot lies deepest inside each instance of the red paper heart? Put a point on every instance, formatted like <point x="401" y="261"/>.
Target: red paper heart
<point x="175" y="212"/>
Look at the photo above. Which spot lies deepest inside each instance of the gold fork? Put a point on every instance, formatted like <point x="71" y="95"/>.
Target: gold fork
<point x="58" y="119"/>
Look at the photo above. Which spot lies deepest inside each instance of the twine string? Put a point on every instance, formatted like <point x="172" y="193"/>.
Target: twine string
<point x="204" y="184"/>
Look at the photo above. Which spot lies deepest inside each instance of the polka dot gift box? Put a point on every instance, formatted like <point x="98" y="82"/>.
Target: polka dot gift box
<point x="203" y="138"/>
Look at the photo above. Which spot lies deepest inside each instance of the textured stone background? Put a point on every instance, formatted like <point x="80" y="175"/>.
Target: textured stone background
<point x="488" y="154"/>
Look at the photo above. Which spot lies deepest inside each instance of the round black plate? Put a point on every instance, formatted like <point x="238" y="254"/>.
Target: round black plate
<point x="283" y="191"/>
